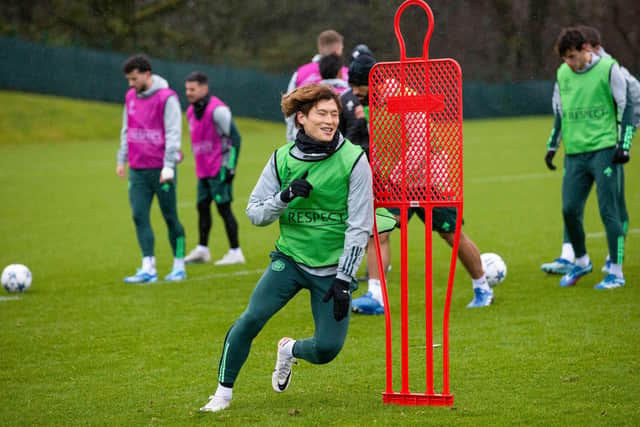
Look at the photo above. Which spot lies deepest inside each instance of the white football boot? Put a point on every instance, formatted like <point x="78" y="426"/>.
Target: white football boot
<point x="215" y="404"/>
<point x="198" y="255"/>
<point x="234" y="256"/>
<point x="281" y="377"/>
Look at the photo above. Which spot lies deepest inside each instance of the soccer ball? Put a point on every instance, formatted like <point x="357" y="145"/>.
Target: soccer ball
<point x="16" y="278"/>
<point x="494" y="268"/>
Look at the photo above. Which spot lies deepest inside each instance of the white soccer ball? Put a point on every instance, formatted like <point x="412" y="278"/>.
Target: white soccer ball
<point x="16" y="278"/>
<point x="494" y="268"/>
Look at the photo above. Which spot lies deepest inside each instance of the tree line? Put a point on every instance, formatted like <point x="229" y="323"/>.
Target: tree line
<point x="493" y="40"/>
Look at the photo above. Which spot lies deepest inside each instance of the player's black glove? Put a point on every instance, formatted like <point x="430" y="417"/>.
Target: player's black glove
<point x="227" y="175"/>
<point x="548" y="159"/>
<point x="298" y="188"/>
<point x="341" y="295"/>
<point x="620" y="155"/>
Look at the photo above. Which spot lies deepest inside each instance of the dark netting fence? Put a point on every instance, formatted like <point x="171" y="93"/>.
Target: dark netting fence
<point x="91" y="74"/>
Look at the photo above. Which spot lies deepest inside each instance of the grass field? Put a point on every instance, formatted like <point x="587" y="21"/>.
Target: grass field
<point x="82" y="348"/>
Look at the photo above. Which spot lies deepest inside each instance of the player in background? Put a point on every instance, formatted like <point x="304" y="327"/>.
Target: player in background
<point x="216" y="145"/>
<point x="331" y="72"/>
<point x="590" y="99"/>
<point x="150" y="143"/>
<point x="593" y="43"/>
<point x="443" y="220"/>
<point x="354" y="125"/>
<point x="564" y="263"/>
<point x="319" y="188"/>
<point x="354" y="119"/>
<point x="329" y="41"/>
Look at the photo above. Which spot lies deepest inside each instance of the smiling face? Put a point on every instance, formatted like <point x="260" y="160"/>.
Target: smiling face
<point x="322" y="121"/>
<point x="195" y="91"/>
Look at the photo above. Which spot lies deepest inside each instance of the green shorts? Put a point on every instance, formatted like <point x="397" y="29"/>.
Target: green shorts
<point x="385" y="221"/>
<point x="214" y="189"/>
<point x="443" y="220"/>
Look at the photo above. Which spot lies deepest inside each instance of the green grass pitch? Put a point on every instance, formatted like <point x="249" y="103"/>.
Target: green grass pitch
<point x="82" y="348"/>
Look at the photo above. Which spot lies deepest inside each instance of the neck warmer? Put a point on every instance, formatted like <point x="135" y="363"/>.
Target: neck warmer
<point x="308" y="145"/>
<point x="200" y="105"/>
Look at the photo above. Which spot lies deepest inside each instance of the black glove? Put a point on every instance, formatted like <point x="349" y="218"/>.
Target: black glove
<point x="620" y="155"/>
<point x="227" y="175"/>
<point x="341" y="295"/>
<point x="548" y="159"/>
<point x="298" y="188"/>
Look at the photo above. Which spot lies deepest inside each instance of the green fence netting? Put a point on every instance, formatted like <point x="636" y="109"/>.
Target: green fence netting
<point x="92" y="74"/>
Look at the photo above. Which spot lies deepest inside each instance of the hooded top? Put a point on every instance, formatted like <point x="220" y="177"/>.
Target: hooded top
<point x="172" y="118"/>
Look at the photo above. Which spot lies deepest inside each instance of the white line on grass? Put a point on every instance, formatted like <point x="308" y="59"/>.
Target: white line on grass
<point x="206" y="277"/>
<point x="603" y="234"/>
<point x="3" y="299"/>
<point x="260" y="271"/>
<point x="222" y="275"/>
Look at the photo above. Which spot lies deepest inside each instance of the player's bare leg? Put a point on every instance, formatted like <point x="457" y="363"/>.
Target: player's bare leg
<point x="372" y="302"/>
<point x="469" y="255"/>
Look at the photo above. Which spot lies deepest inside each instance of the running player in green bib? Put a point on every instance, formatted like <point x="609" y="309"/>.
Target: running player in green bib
<point x="319" y="189"/>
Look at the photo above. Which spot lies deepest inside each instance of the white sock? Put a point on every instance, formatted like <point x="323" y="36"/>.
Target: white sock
<point x="616" y="269"/>
<point x="481" y="283"/>
<point x="287" y="349"/>
<point x="376" y="290"/>
<point x="178" y="264"/>
<point x="567" y="252"/>
<point x="203" y="248"/>
<point x="225" y="392"/>
<point x="149" y="264"/>
<point x="235" y="251"/>
<point x="583" y="261"/>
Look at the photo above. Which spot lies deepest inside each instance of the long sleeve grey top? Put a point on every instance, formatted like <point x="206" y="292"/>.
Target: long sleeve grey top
<point x="633" y="90"/>
<point x="222" y="120"/>
<point x="265" y="207"/>
<point x="172" y="125"/>
<point x="618" y="90"/>
<point x="227" y="130"/>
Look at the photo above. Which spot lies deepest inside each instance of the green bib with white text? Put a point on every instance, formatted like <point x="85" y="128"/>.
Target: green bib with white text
<point x="312" y="229"/>
<point x="588" y="109"/>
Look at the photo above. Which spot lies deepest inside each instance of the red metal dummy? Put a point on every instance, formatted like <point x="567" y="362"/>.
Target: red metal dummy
<point x="416" y="158"/>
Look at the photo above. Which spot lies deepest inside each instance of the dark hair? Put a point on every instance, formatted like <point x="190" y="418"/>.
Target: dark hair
<point x="569" y="38"/>
<point x="330" y="66"/>
<point x="138" y="62"/>
<point x="591" y="35"/>
<point x="359" y="69"/>
<point x="198" y="76"/>
<point x="305" y="97"/>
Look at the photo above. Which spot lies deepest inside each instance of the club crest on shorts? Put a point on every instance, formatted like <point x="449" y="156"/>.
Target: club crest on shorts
<point x="277" y="265"/>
